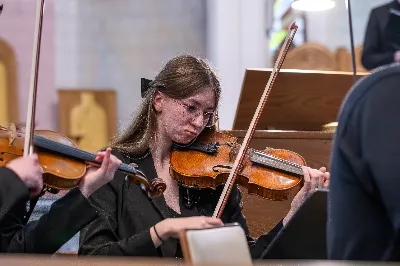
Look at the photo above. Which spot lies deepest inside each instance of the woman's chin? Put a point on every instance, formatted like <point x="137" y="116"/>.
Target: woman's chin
<point x="184" y="140"/>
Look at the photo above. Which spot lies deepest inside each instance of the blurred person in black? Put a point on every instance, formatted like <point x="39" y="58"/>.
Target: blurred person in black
<point x="364" y="198"/>
<point x="382" y="36"/>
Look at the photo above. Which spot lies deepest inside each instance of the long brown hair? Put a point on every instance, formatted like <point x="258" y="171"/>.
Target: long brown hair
<point x="182" y="77"/>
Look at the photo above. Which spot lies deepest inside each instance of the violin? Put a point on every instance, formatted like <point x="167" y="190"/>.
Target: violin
<point x="216" y="158"/>
<point x="62" y="162"/>
<point x="274" y="174"/>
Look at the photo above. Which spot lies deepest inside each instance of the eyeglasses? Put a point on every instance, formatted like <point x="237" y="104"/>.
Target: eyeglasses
<point x="192" y="112"/>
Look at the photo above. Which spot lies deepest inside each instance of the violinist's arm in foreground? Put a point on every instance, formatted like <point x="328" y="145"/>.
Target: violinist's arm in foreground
<point x="17" y="179"/>
<point x="67" y="216"/>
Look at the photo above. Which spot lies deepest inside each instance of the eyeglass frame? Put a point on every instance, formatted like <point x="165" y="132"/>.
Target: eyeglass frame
<point x="212" y="119"/>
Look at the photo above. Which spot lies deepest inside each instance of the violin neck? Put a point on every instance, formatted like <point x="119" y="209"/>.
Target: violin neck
<point x="75" y="153"/>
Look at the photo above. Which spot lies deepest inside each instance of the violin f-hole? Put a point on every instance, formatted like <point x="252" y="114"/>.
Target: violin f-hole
<point x="221" y="166"/>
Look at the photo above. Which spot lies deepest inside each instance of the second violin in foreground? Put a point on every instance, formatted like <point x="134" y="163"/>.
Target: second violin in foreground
<point x="62" y="162"/>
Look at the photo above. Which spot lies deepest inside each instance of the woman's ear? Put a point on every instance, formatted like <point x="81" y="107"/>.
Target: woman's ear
<point x="158" y="101"/>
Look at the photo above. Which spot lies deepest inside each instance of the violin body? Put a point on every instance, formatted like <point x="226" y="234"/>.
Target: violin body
<point x="273" y="174"/>
<point x="59" y="172"/>
<point x="63" y="163"/>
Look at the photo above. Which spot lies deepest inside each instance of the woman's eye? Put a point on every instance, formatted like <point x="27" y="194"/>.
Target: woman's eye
<point x="191" y="108"/>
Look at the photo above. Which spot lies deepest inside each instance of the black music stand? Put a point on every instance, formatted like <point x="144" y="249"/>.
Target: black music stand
<point x="304" y="237"/>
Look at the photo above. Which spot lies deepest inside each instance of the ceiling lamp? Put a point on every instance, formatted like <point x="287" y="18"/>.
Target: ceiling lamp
<point x="313" y="5"/>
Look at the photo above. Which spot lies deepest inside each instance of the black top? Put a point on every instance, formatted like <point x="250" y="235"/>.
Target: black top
<point x="66" y="217"/>
<point x="364" y="198"/>
<point x="127" y="214"/>
<point x="382" y="36"/>
<point x="12" y="190"/>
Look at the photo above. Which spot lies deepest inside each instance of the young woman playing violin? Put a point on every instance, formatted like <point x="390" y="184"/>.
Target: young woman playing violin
<point x="178" y="105"/>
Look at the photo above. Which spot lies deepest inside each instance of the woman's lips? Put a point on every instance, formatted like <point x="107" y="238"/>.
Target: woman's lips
<point x="191" y="133"/>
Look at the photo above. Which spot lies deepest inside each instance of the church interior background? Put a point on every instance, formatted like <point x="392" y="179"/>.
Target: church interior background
<point x="94" y="53"/>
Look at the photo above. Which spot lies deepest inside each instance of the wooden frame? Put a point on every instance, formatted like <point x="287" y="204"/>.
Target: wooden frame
<point x="69" y="98"/>
<point x="299" y="99"/>
<point x="7" y="55"/>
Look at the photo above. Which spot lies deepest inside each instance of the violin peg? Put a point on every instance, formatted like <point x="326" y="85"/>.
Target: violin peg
<point x="293" y="26"/>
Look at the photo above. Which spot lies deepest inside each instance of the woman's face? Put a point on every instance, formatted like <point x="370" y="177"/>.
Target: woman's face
<point x="184" y="119"/>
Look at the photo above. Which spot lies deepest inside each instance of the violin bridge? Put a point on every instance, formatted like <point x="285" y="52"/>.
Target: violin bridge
<point x="231" y="154"/>
<point x="233" y="150"/>
<point x="12" y="134"/>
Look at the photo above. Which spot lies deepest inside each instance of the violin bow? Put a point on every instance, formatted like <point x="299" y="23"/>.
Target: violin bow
<point x="30" y="124"/>
<point x="245" y="145"/>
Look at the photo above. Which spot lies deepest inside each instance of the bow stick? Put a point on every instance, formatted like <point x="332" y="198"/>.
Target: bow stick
<point x="245" y="145"/>
<point x="30" y="124"/>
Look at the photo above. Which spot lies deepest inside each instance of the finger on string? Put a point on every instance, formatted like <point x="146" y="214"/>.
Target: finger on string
<point x="306" y="173"/>
<point x="327" y="175"/>
<point x="314" y="178"/>
<point x="306" y="187"/>
<point x="106" y="161"/>
<point x="115" y="163"/>
<point x="321" y="180"/>
<point x="115" y="160"/>
<point x="100" y="156"/>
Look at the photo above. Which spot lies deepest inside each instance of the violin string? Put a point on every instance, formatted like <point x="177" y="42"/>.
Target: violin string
<point x="268" y="156"/>
<point x="272" y="157"/>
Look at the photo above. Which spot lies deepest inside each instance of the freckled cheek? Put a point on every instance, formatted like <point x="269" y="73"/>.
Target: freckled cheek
<point x="176" y="125"/>
<point x="176" y="120"/>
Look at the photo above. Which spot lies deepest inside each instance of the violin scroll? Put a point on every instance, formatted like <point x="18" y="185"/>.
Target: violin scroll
<point x="157" y="187"/>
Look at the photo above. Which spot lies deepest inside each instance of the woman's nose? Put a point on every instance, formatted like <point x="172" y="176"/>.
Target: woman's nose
<point x="198" y="121"/>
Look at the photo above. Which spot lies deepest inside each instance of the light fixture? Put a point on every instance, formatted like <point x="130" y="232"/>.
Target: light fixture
<point x="313" y="5"/>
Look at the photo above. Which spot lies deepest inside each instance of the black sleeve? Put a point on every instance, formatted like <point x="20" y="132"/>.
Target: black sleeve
<point x="372" y="55"/>
<point x="67" y="216"/>
<point x="12" y="191"/>
<point x="260" y="245"/>
<point x="265" y="240"/>
<point x="364" y="188"/>
<point x="100" y="237"/>
<point x="381" y="150"/>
